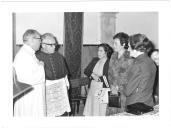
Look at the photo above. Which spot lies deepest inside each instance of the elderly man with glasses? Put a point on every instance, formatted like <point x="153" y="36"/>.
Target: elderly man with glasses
<point x="55" y="71"/>
<point x="30" y="70"/>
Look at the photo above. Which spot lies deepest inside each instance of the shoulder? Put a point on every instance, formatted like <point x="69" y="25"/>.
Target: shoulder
<point x="95" y="59"/>
<point x="23" y="57"/>
<point x="57" y="54"/>
<point x="144" y="65"/>
<point x="23" y="53"/>
<point x="144" y="61"/>
<point x="40" y="54"/>
<point x="114" y="56"/>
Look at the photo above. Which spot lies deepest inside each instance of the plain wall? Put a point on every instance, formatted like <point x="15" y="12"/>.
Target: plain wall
<point x="42" y="22"/>
<point x="139" y="22"/>
<point x="91" y="28"/>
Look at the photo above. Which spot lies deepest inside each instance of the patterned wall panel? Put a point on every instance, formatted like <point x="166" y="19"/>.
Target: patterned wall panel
<point x="73" y="22"/>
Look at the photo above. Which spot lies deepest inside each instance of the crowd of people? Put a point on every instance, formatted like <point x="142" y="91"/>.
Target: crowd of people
<point x="130" y="67"/>
<point x="129" y="70"/>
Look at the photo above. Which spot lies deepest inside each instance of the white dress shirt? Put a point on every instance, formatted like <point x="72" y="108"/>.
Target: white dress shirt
<point x="29" y="70"/>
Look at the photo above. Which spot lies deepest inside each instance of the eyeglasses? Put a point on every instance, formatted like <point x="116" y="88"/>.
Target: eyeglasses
<point x="50" y="44"/>
<point x="37" y="38"/>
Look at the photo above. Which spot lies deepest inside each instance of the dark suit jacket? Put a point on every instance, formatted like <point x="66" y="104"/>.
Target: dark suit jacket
<point x="140" y="81"/>
<point x="55" y="66"/>
<point x="89" y="69"/>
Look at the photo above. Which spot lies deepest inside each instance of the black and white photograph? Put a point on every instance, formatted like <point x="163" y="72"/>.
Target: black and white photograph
<point x="84" y="64"/>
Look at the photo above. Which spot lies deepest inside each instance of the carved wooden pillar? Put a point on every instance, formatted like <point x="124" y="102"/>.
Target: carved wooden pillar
<point x="73" y="22"/>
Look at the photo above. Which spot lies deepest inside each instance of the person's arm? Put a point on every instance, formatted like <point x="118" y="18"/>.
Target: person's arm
<point x="89" y="69"/>
<point x="111" y="75"/>
<point x="28" y="70"/>
<point x="65" y="66"/>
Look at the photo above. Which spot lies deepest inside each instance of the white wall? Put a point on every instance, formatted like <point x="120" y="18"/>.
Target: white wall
<point x="54" y="23"/>
<point x="98" y="27"/>
<point x="138" y="22"/>
<point x="129" y="22"/>
<point x="42" y="22"/>
<point x="91" y="28"/>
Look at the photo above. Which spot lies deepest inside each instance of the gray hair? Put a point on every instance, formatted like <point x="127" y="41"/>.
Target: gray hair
<point x="49" y="35"/>
<point x="30" y="33"/>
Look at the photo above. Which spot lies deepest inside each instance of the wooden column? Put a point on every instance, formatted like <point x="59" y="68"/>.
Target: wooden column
<point x="73" y="22"/>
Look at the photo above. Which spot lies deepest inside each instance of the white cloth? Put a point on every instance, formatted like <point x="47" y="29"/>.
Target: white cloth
<point x="93" y="106"/>
<point x="102" y="95"/>
<point x="29" y="70"/>
<point x="57" y="97"/>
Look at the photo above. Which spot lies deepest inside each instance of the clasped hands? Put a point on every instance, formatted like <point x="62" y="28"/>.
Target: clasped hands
<point x="95" y="77"/>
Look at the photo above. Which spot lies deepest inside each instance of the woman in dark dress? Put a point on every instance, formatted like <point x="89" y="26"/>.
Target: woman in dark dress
<point x="141" y="75"/>
<point x="96" y="69"/>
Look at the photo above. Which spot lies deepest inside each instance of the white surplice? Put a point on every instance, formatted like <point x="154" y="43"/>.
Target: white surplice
<point x="57" y="97"/>
<point x="29" y="70"/>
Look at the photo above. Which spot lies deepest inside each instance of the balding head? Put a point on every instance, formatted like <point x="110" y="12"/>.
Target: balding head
<point x="32" y="38"/>
<point x="30" y="33"/>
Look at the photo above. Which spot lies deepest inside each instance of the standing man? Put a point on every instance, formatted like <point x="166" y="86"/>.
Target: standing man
<point x="55" y="65"/>
<point x="56" y="72"/>
<point x="30" y="70"/>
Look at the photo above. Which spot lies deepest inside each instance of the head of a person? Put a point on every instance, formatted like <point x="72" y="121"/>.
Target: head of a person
<point x="32" y="38"/>
<point x="139" y="44"/>
<point x="49" y="43"/>
<point x="155" y="56"/>
<point x="120" y="41"/>
<point x="104" y="51"/>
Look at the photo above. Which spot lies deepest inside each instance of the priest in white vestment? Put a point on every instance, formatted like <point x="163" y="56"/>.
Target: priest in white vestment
<point x="30" y="70"/>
